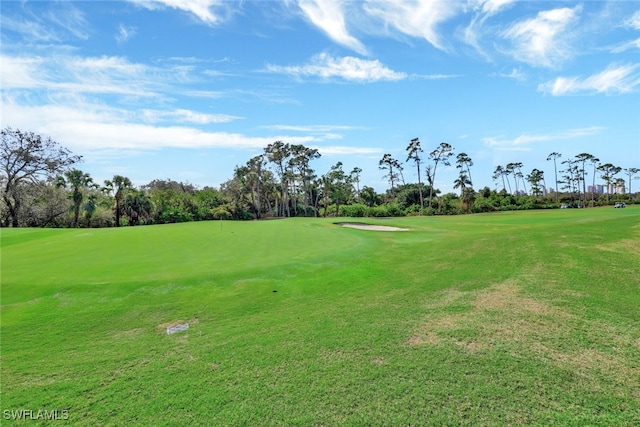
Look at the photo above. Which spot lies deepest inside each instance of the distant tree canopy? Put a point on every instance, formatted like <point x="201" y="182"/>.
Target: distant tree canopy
<point x="42" y="188"/>
<point x="27" y="158"/>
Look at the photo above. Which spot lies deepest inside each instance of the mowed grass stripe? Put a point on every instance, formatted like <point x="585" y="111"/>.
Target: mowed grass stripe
<point x="485" y="319"/>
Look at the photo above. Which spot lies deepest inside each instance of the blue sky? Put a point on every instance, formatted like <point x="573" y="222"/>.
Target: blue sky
<point x="188" y="89"/>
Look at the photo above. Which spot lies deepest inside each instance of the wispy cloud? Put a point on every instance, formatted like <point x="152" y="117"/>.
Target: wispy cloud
<point x="211" y="12"/>
<point x="418" y="18"/>
<point x="94" y="128"/>
<point x="328" y="15"/>
<point x="633" y="21"/>
<point x="483" y="10"/>
<point x="124" y="33"/>
<point x="186" y="116"/>
<point x="525" y="141"/>
<point x="59" y="22"/>
<point x="614" y="79"/>
<point x="70" y="19"/>
<point x="313" y="128"/>
<point x="348" y="68"/>
<point x="544" y="40"/>
<point x="78" y="75"/>
<point x="335" y="150"/>
<point x="515" y="74"/>
<point x="632" y="44"/>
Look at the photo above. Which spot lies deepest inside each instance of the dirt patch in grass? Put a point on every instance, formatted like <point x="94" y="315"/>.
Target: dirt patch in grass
<point x="625" y="245"/>
<point x="503" y="315"/>
<point x="371" y="227"/>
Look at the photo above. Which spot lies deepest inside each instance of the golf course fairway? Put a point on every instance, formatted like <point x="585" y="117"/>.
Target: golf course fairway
<point x="499" y="319"/>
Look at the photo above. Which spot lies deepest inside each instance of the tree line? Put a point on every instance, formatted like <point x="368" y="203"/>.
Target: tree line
<point x="42" y="187"/>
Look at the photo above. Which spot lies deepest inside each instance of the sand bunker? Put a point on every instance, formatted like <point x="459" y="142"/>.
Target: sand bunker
<point x="362" y="226"/>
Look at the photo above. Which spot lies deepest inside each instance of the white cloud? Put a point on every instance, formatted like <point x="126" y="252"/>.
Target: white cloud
<point x="634" y="21"/>
<point x="492" y="7"/>
<point x="414" y="18"/>
<point x="633" y="44"/>
<point x="20" y="72"/>
<point x="543" y="40"/>
<point x="124" y="33"/>
<point x="484" y="9"/>
<point x="524" y="142"/>
<point x="53" y="24"/>
<point x="312" y="128"/>
<point x="329" y="17"/>
<point x="202" y="9"/>
<point x="620" y="79"/>
<point x="335" y="150"/>
<point x="30" y="30"/>
<point x="93" y="129"/>
<point x="71" y="75"/>
<point x="515" y="74"/>
<point x="186" y="116"/>
<point x="346" y="68"/>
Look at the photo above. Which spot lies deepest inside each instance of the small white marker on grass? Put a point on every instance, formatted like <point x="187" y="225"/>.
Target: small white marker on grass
<point x="177" y="328"/>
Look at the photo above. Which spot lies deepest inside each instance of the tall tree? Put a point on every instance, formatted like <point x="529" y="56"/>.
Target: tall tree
<point x="254" y="167"/>
<point x="355" y="178"/>
<point x="413" y="154"/>
<point x="517" y="167"/>
<point x="78" y="182"/>
<point x="278" y="153"/>
<point x="300" y="160"/>
<point x="607" y="172"/>
<point x="464" y="162"/>
<point x="595" y="162"/>
<point x="631" y="173"/>
<point x="508" y="170"/>
<point x="393" y="167"/>
<point x="119" y="186"/>
<point x="583" y="158"/>
<point x="499" y="172"/>
<point x="26" y="157"/>
<point x="338" y="185"/>
<point x="535" y="178"/>
<point x="553" y="156"/>
<point x="572" y="177"/>
<point x="439" y="155"/>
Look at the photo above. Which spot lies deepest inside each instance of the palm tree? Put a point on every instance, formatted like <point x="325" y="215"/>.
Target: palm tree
<point x="439" y="155"/>
<point x="137" y="204"/>
<point x="119" y="185"/>
<point x="414" y="149"/>
<point x="90" y="207"/>
<point x="555" y="156"/>
<point x="462" y="182"/>
<point x="78" y="181"/>
<point x="464" y="162"/>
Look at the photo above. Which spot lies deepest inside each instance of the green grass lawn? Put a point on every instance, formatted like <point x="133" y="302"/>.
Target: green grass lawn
<point x="496" y="319"/>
